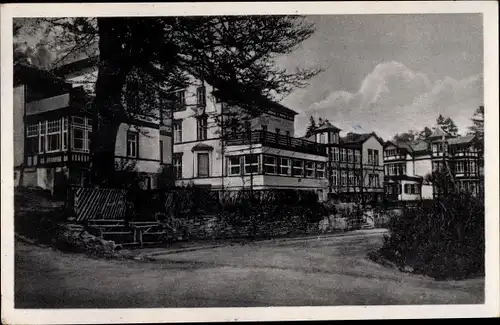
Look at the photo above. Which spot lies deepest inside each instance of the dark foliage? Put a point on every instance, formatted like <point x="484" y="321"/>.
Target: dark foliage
<point x="37" y="215"/>
<point x="443" y="239"/>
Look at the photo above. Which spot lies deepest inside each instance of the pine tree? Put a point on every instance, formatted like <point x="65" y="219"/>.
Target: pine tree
<point x="424" y="134"/>
<point x="311" y="127"/>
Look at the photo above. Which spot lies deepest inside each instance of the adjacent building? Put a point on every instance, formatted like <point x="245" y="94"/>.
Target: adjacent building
<point x="53" y="132"/>
<point x="409" y="165"/>
<point x="355" y="165"/>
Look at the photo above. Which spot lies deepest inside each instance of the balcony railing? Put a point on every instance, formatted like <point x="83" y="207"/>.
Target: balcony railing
<point x="276" y="140"/>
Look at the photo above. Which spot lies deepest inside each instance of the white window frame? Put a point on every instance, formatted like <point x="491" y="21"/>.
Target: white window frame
<point x="459" y="167"/>
<point x="343" y="177"/>
<point x="33" y="132"/>
<point x="177" y="128"/>
<point x="350" y="155"/>
<point x="230" y="166"/>
<point x="202" y="128"/>
<point x="320" y="169"/>
<point x="252" y="164"/>
<point x="267" y="164"/>
<point x="287" y="166"/>
<point x="298" y="168"/>
<point x="134" y="142"/>
<point x="309" y="169"/>
<point x="342" y="154"/>
<point x="56" y="126"/>
<point x="177" y="163"/>
<point x="357" y="156"/>
<point x="209" y="167"/>
<point x="336" y="154"/>
<point x="201" y="95"/>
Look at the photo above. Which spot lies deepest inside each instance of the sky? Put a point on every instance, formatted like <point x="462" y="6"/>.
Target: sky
<point x="390" y="73"/>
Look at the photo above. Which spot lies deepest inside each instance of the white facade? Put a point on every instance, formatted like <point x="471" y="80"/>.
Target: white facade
<point x="200" y="157"/>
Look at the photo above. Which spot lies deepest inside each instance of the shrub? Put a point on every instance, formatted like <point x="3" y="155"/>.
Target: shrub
<point x="442" y="239"/>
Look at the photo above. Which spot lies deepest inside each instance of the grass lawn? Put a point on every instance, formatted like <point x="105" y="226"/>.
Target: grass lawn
<point x="327" y="271"/>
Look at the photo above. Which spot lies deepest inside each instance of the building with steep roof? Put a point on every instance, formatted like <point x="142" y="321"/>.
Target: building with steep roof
<point x="409" y="165"/>
<point x="355" y="166"/>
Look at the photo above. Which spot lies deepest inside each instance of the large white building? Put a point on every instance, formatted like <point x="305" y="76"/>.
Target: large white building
<point x="261" y="156"/>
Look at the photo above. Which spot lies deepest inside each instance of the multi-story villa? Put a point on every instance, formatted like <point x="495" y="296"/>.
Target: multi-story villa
<point x="53" y="131"/>
<point x="408" y="166"/>
<point x="355" y="165"/>
<point x="207" y="152"/>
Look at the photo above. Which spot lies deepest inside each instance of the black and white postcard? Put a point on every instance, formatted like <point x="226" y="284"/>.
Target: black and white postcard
<point x="207" y="161"/>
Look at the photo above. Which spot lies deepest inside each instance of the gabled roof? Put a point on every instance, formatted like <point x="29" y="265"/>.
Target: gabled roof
<point x="359" y="138"/>
<point x="439" y="133"/>
<point x="419" y="146"/>
<point x="413" y="146"/>
<point x="327" y="126"/>
<point x="461" y="140"/>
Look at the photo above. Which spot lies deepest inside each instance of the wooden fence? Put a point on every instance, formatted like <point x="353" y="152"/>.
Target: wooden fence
<point x="97" y="203"/>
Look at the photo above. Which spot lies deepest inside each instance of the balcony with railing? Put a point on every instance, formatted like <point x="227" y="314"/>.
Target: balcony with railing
<point x="275" y="140"/>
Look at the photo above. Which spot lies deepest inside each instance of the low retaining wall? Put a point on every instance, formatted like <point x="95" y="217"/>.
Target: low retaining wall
<point x="219" y="227"/>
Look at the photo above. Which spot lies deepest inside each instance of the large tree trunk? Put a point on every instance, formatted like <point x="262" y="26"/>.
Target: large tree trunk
<point x="108" y="111"/>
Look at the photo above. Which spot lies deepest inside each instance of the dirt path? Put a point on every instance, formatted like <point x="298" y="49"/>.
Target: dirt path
<point x="325" y="271"/>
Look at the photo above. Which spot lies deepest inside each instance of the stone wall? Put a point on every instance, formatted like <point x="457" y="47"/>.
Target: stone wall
<point x="220" y="227"/>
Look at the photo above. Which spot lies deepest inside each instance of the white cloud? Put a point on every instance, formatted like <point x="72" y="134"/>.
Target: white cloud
<point x="393" y="98"/>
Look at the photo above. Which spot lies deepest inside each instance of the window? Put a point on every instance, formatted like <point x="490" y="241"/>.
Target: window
<point x="350" y="177"/>
<point x="335" y="154"/>
<point x="297" y="167"/>
<point x="342" y="155"/>
<point x="373" y="180"/>
<point x="78" y="138"/>
<point x="203" y="165"/>
<point x="320" y="170"/>
<point x="132" y="144"/>
<point x="407" y="188"/>
<point x="309" y="169"/>
<point x="180" y="100"/>
<point x="350" y="156"/>
<point x="32" y="141"/>
<point x="357" y="156"/>
<point x="200" y="96"/>
<point x="390" y="152"/>
<point x="322" y="138"/>
<point x="251" y="164"/>
<point x="269" y="165"/>
<point x="177" y="126"/>
<point x="54" y="135"/>
<point x="201" y="128"/>
<point x="234" y="166"/>
<point x="335" y="177"/>
<point x="161" y="151"/>
<point x="375" y="158"/>
<point x="177" y="162"/>
<point x="264" y="128"/>
<point x="370" y="156"/>
<point x="459" y="167"/>
<point x="284" y="168"/>
<point x="81" y="131"/>
<point x="343" y="177"/>
<point x="471" y="167"/>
